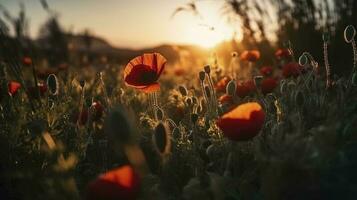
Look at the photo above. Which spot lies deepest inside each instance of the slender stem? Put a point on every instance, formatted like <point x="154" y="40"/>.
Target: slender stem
<point x="327" y="66"/>
<point x="213" y="97"/>
<point x="353" y="43"/>
<point x="205" y="97"/>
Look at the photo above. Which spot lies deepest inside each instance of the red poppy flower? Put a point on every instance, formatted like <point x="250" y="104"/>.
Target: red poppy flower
<point x="268" y="85"/>
<point x="250" y="56"/>
<point x="42" y="87"/>
<point x="226" y="99"/>
<point x="282" y="53"/>
<point x="27" y="61"/>
<point x="222" y="84"/>
<point x="245" y="88"/>
<point x="143" y="72"/>
<point x="179" y="72"/>
<point x="243" y="122"/>
<point x="98" y="110"/>
<point x="266" y="71"/>
<point x="120" y="183"/>
<point x="291" y="69"/>
<point x="13" y="87"/>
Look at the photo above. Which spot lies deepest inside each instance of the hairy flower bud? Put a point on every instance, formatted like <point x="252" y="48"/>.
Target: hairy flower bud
<point x="349" y="33"/>
<point x="202" y="75"/>
<point x="207" y="69"/>
<point x="182" y="89"/>
<point x="231" y="88"/>
<point x="53" y="85"/>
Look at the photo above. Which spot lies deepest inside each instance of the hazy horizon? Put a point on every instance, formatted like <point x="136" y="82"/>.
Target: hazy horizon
<point x="133" y="24"/>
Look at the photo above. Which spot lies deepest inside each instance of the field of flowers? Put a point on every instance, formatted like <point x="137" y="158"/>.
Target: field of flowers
<point x="143" y="131"/>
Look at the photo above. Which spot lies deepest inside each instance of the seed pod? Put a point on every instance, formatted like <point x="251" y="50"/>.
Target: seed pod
<point x="303" y="60"/>
<point x="207" y="69"/>
<point x="159" y="114"/>
<point x="202" y="75"/>
<point x="208" y="91"/>
<point x="182" y="89"/>
<point x="194" y="118"/>
<point x="189" y="101"/>
<point x="326" y="37"/>
<point x="234" y="54"/>
<point x="258" y="81"/>
<point x="349" y="33"/>
<point x="161" y="139"/>
<point x="53" y="85"/>
<point x="231" y="88"/>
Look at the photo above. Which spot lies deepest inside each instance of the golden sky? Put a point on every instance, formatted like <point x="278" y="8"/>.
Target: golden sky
<point x="134" y="23"/>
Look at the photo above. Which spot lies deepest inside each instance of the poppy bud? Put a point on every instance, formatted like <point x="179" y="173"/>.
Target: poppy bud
<point x="183" y="90"/>
<point x="258" y="81"/>
<point x="161" y="139"/>
<point x="207" y="69"/>
<point x="159" y="114"/>
<point x="52" y="83"/>
<point x="234" y="54"/>
<point x="208" y="91"/>
<point x="202" y="75"/>
<point x="303" y="59"/>
<point x="27" y="61"/>
<point x="82" y="83"/>
<point x="326" y="37"/>
<point x="349" y="33"/>
<point x="189" y="101"/>
<point x="231" y="88"/>
<point x="194" y="100"/>
<point x="194" y="118"/>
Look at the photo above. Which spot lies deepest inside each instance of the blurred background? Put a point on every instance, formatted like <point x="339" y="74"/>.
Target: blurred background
<point x="81" y="33"/>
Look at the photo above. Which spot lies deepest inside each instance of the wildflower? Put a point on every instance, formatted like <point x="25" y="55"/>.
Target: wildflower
<point x="250" y="56"/>
<point x="245" y="88"/>
<point x="291" y="69"/>
<point x="27" y="61"/>
<point x="226" y="99"/>
<point x="222" y="84"/>
<point x="120" y="183"/>
<point x="13" y="87"/>
<point x="143" y="72"/>
<point x="97" y="109"/>
<point x="268" y="85"/>
<point x="34" y="91"/>
<point x="266" y="71"/>
<point x="282" y="54"/>
<point x="243" y="122"/>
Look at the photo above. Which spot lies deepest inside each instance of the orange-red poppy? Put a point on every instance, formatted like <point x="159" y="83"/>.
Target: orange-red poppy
<point x="222" y="84"/>
<point x="243" y="122"/>
<point x="13" y="87"/>
<point x="250" y="56"/>
<point x="226" y="99"/>
<point x="291" y="69"/>
<point x="245" y="88"/>
<point x="120" y="183"/>
<point x="143" y="72"/>
<point x="266" y="71"/>
<point x="282" y="54"/>
<point x="268" y="85"/>
<point x="27" y="61"/>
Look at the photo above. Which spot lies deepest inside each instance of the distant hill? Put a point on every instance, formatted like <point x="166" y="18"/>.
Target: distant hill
<point x="99" y="46"/>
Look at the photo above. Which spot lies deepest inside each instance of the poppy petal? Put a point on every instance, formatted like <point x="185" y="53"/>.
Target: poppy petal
<point x="141" y="75"/>
<point x="150" y="88"/>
